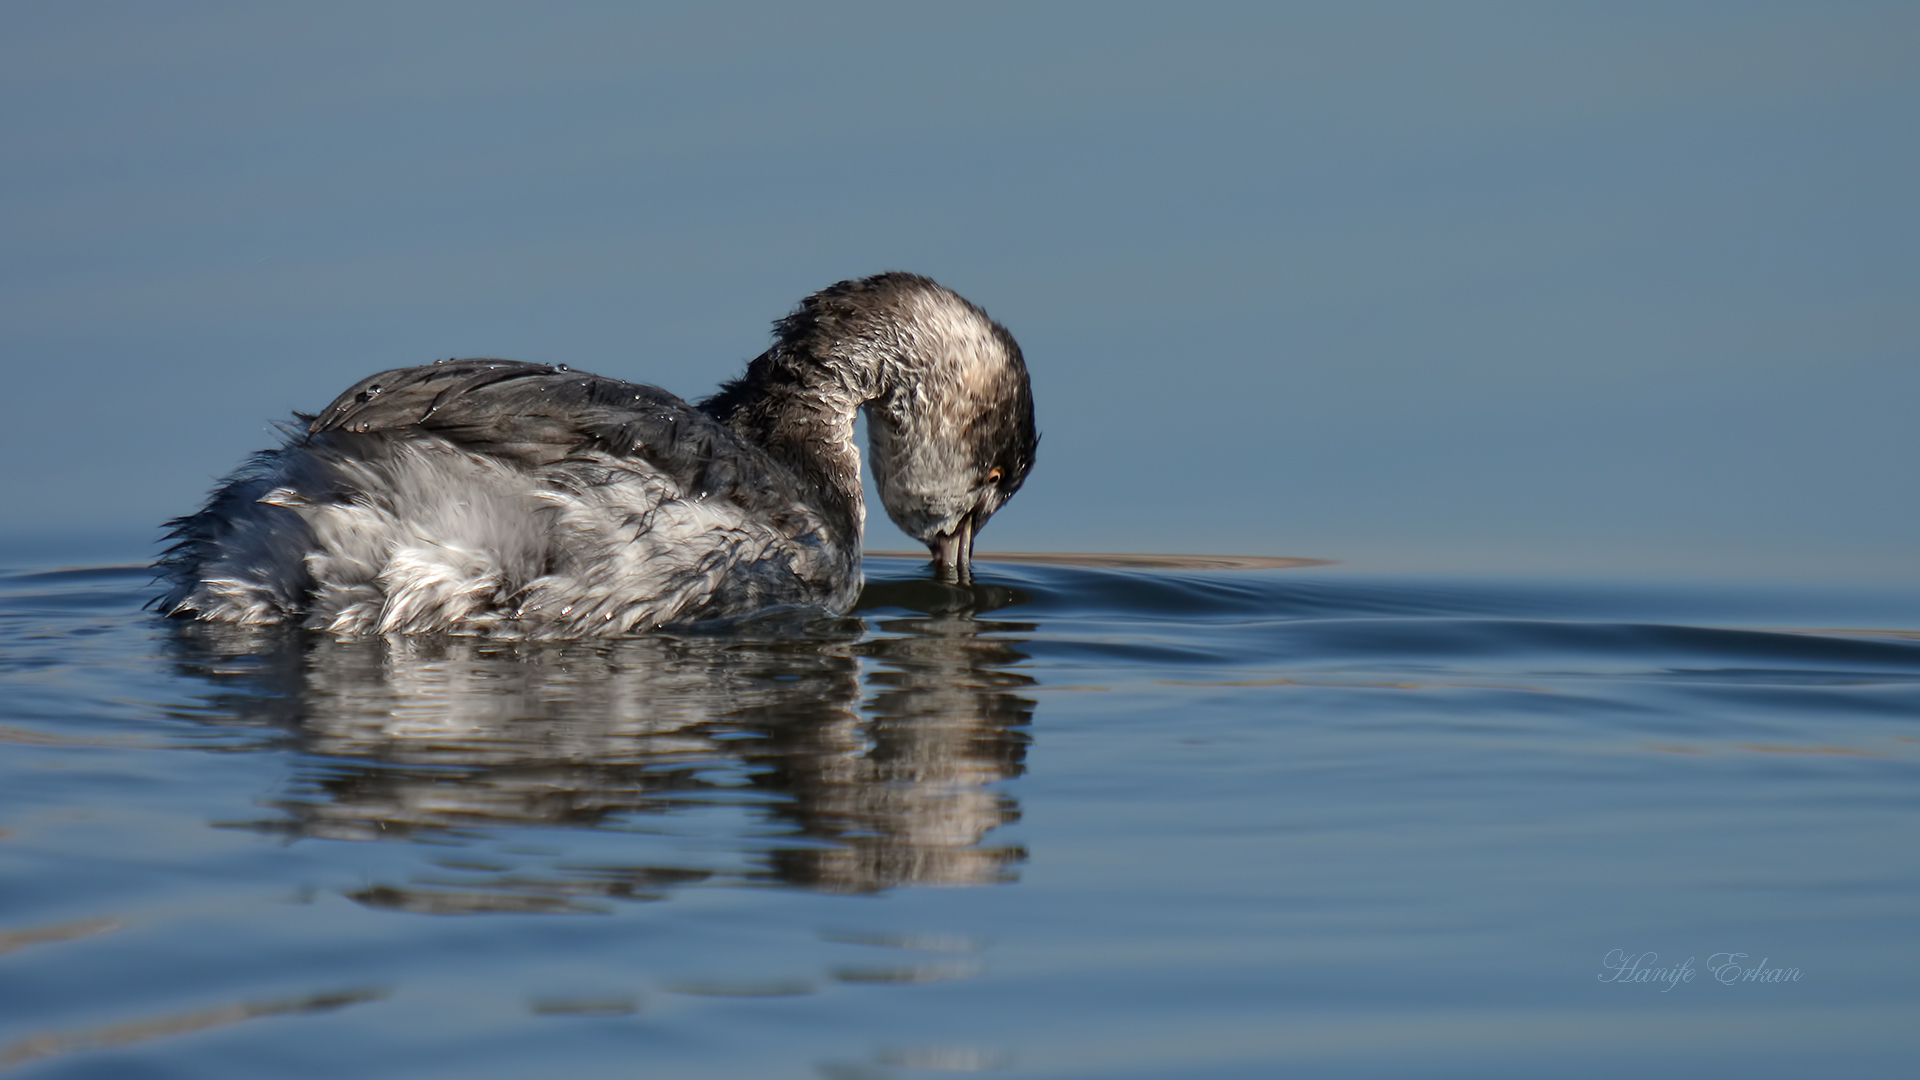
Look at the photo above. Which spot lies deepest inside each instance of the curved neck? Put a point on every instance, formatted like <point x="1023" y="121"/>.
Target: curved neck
<point x="800" y="409"/>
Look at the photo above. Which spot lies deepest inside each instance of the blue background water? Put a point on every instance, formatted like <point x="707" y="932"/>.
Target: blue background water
<point x="1072" y="822"/>
<point x="1551" y="288"/>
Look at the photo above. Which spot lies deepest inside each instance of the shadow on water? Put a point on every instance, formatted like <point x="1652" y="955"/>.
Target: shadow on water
<point x="864" y="752"/>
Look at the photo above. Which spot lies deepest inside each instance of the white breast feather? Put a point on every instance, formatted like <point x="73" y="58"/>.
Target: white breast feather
<point x="434" y="538"/>
<point x="626" y="570"/>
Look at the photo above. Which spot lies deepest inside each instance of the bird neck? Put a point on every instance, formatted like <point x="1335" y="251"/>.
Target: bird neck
<point x="799" y="407"/>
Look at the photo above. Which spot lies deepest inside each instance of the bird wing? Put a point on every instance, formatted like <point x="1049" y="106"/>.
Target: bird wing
<point x="537" y="415"/>
<point x="657" y="499"/>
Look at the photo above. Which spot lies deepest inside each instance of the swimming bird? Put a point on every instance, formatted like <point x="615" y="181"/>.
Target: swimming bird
<point x="486" y="496"/>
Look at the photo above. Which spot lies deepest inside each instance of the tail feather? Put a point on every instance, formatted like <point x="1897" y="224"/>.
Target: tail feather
<point x="239" y="559"/>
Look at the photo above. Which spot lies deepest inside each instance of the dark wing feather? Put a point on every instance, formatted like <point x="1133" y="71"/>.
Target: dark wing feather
<point x="456" y="397"/>
<point x="536" y="415"/>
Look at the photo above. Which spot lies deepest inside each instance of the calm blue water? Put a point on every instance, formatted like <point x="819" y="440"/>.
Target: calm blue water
<point x="1069" y="822"/>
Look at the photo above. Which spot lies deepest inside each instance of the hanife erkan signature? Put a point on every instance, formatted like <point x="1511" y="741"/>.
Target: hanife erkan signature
<point x="1727" y="968"/>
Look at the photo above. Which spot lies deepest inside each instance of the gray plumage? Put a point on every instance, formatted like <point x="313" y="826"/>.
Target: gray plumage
<point x="501" y="497"/>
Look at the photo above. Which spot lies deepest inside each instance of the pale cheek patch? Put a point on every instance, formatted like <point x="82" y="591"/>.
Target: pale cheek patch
<point x="923" y="463"/>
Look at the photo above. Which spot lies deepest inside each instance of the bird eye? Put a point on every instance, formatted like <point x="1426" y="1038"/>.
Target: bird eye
<point x="994" y="474"/>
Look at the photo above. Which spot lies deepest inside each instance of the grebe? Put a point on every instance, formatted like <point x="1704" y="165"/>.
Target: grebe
<point x="489" y="496"/>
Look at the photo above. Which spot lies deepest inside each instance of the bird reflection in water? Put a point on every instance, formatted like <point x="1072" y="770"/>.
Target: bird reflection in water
<point x="864" y="750"/>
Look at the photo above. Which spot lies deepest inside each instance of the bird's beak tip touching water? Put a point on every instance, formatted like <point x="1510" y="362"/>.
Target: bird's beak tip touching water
<point x="953" y="551"/>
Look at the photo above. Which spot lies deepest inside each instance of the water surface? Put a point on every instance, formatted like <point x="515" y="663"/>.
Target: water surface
<point x="1070" y="821"/>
